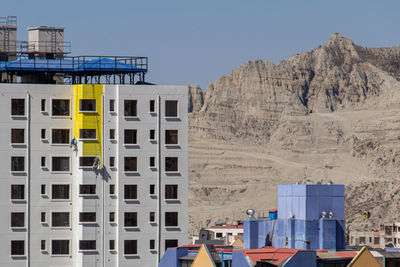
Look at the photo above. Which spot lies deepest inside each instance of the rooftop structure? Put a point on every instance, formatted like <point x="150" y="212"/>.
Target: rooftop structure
<point x="44" y="59"/>
<point x="310" y="216"/>
<point x="76" y="70"/>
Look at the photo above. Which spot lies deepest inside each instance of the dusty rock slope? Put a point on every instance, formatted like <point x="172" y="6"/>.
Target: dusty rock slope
<point x="327" y="114"/>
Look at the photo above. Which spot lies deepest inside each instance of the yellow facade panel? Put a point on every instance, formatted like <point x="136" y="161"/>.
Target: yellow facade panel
<point x="86" y="120"/>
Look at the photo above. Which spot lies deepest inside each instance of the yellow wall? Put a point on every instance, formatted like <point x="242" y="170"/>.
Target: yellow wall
<point x="89" y="120"/>
<point x="364" y="258"/>
<point x="203" y="258"/>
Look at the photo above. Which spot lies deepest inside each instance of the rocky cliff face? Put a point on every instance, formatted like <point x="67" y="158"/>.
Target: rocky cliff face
<point x="338" y="101"/>
<point x="337" y="76"/>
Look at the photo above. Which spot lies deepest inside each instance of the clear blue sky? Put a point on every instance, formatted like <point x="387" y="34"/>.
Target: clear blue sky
<point x="196" y="41"/>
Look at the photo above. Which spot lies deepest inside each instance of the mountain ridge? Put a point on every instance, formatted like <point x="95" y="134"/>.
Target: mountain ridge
<point x="337" y="101"/>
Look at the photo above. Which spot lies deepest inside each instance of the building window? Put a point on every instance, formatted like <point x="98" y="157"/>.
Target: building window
<point x="43" y="134"/>
<point x="171" y="243"/>
<point x="130" y="219"/>
<point x="18" y="107"/>
<point x="17" y="136"/>
<point x="112" y="134"/>
<point x="152" y="135"/>
<point x="17" y="164"/>
<point x="171" y="191"/>
<point x="376" y="240"/>
<point x="43" y="162"/>
<point x="218" y="235"/>
<point x="130" y="247"/>
<point x="17" y="247"/>
<point x="130" y="164"/>
<point x="42" y="245"/>
<point x="43" y="105"/>
<point x="130" y="108"/>
<point x="171" y="108"/>
<point x="130" y="137"/>
<point x="87" y="105"/>
<point x="112" y="105"/>
<point x="60" y="247"/>
<point x="112" y="217"/>
<point x="87" y="161"/>
<point x="43" y="189"/>
<point x="112" y="162"/>
<point x="152" y="162"/>
<point x="87" y="189"/>
<point x="87" y="244"/>
<point x="362" y="240"/>
<point x="60" y="107"/>
<point x="152" y="106"/>
<point x="17" y="192"/>
<point x="87" y="217"/>
<point x="17" y="219"/>
<point x="171" y="164"/>
<point x="60" y="136"/>
<point x="87" y="134"/>
<point x="152" y="189"/>
<point x="60" y="191"/>
<point x="60" y="164"/>
<point x="112" y="245"/>
<point x="171" y="137"/>
<point x="152" y="244"/>
<point x="60" y="219"/>
<point x="112" y="189"/>
<point x="130" y="191"/>
<point x="171" y="219"/>
<point x="43" y="217"/>
<point x="152" y="217"/>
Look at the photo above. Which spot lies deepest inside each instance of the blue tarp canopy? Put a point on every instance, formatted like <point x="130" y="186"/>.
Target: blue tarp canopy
<point x="68" y="65"/>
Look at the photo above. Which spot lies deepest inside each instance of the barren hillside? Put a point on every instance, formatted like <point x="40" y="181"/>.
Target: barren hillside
<point x="331" y="112"/>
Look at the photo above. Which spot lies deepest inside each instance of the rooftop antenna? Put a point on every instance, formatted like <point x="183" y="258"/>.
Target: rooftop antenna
<point x="326" y="167"/>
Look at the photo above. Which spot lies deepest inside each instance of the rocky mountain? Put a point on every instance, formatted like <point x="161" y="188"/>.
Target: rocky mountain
<point x="329" y="113"/>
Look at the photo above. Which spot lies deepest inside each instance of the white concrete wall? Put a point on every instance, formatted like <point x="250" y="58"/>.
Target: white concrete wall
<point x="103" y="203"/>
<point x="224" y="231"/>
<point x="40" y="37"/>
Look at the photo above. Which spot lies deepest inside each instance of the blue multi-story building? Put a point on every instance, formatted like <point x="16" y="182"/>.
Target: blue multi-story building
<point x="310" y="216"/>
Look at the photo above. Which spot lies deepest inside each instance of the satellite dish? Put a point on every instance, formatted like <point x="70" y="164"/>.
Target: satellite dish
<point x="250" y="213"/>
<point x="366" y="214"/>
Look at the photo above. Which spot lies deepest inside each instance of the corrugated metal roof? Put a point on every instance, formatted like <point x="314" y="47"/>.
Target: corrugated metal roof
<point x="272" y="254"/>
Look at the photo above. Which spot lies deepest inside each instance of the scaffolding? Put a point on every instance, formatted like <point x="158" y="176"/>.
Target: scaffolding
<point x="44" y="59"/>
<point x="76" y="69"/>
<point x="8" y="21"/>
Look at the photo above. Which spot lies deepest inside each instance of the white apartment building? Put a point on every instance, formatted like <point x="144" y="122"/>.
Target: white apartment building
<point x="92" y="175"/>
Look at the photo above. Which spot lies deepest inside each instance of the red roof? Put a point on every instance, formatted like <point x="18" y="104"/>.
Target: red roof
<point x="227" y="226"/>
<point x="224" y="250"/>
<point x="277" y="255"/>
